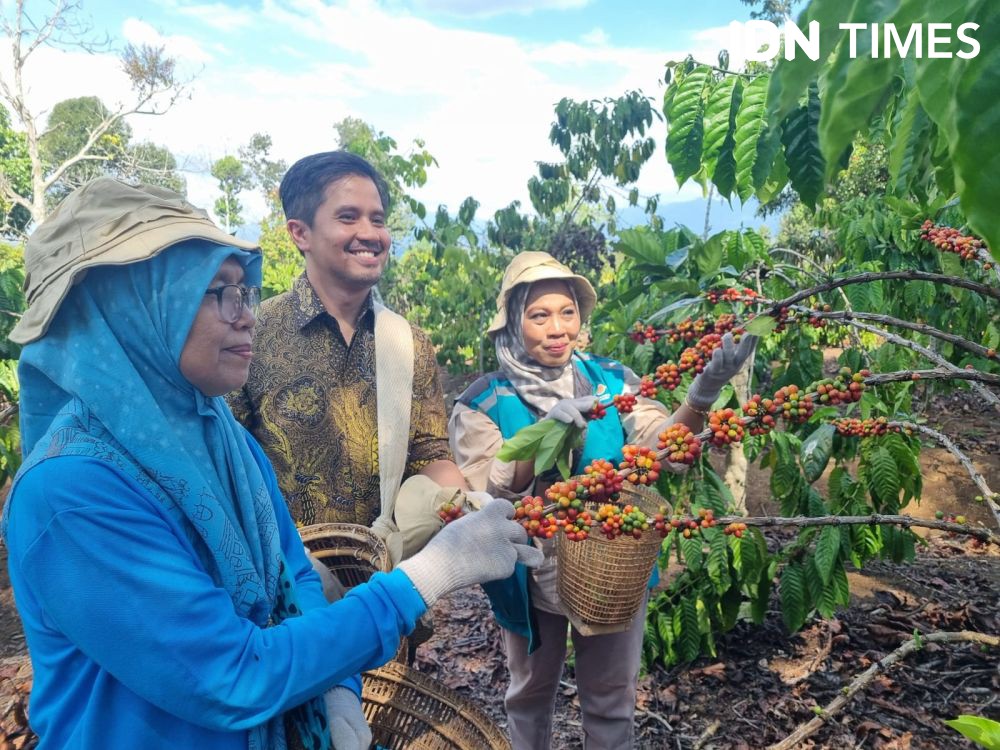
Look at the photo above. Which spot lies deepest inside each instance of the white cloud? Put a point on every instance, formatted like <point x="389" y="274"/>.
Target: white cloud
<point x="717" y="38"/>
<point x="485" y="100"/>
<point x="219" y="16"/>
<point x="596" y="36"/>
<point x="482" y="102"/>
<point x="483" y="8"/>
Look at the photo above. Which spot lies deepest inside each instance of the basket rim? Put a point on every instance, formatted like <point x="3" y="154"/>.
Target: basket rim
<point x="648" y="494"/>
<point x="354" y="531"/>
<point x="405" y="676"/>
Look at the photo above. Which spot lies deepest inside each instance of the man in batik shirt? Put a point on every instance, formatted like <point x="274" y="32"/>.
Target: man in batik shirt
<point x="310" y="399"/>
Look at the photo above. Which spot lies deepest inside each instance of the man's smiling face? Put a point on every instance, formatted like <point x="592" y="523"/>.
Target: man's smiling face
<point x="348" y="242"/>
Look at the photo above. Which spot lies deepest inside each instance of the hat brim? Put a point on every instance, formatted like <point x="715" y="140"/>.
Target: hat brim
<point x="586" y="297"/>
<point x="132" y="247"/>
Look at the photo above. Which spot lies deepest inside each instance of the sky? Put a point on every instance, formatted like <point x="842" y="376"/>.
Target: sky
<point x="476" y="81"/>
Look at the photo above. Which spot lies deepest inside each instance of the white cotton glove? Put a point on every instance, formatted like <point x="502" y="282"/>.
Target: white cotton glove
<point x="725" y="362"/>
<point x="478" y="500"/>
<point x="572" y="410"/>
<point x="476" y="548"/>
<point x="348" y="728"/>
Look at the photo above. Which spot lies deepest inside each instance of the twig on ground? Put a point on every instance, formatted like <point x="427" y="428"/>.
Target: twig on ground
<point x="861" y="681"/>
<point x="653" y="715"/>
<point x="709" y="732"/>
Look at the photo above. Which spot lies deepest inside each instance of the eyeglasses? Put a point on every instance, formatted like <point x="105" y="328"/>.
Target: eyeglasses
<point x="233" y="299"/>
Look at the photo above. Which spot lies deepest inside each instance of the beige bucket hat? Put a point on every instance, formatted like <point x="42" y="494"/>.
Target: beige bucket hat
<point x="533" y="266"/>
<point x="105" y="222"/>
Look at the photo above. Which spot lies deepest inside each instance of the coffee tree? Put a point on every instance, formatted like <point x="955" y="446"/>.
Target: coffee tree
<point x="906" y="296"/>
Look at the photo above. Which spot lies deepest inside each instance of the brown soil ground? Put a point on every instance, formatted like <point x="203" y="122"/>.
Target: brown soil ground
<point x="763" y="682"/>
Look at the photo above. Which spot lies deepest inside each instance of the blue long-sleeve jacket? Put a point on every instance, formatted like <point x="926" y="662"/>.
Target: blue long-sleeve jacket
<point x="133" y="645"/>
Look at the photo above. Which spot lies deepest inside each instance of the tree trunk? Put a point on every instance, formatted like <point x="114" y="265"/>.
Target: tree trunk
<point x="736" y="459"/>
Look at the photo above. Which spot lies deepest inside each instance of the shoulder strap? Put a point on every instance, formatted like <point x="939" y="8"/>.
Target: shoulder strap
<point x="394" y="384"/>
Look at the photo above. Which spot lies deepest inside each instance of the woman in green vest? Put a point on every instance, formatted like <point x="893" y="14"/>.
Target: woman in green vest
<point x="541" y="308"/>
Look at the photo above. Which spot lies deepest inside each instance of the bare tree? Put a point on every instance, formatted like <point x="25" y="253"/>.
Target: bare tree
<point x="155" y="89"/>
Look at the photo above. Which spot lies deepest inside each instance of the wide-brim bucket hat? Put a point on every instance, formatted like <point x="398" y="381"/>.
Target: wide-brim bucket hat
<point x="104" y="222"/>
<point x="532" y="266"/>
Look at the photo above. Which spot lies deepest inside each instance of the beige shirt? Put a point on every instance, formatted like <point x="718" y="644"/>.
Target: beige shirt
<point x="475" y="440"/>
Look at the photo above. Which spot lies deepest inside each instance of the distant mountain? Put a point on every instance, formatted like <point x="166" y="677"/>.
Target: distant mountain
<point x="692" y="215"/>
<point x="686" y="213"/>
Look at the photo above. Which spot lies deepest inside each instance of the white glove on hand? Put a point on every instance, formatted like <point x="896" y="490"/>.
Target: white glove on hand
<point x="478" y="500"/>
<point x="348" y="728"/>
<point x="725" y="362"/>
<point x="477" y="548"/>
<point x="572" y="410"/>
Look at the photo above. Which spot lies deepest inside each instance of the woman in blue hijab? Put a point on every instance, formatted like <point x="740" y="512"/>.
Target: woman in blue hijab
<point x="166" y="598"/>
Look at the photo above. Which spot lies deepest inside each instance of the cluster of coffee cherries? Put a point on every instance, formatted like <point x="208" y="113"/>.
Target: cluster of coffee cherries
<point x="691" y="359"/>
<point x="643" y="332"/>
<point x="449" y="512"/>
<point x="668" y="375"/>
<point x="736" y="529"/>
<point x="597" y="411"/>
<point x="568" y="513"/>
<point x="762" y="414"/>
<point x="685" y="527"/>
<point x="732" y="294"/>
<point x="707" y="338"/>
<point x="647" y="387"/>
<point x="530" y="513"/>
<point x="681" y="445"/>
<point x="726" y="427"/>
<point x="686" y="331"/>
<point x="614" y="521"/>
<point x="790" y="403"/>
<point x="951" y="240"/>
<point x="641" y="463"/>
<point x="624" y="402"/>
<point x="816" y="321"/>
<point x="845" y="388"/>
<point x="600" y="481"/>
<point x="708" y="344"/>
<point x="796" y="405"/>
<point x="793" y="404"/>
<point x="862" y="428"/>
<point x="784" y="317"/>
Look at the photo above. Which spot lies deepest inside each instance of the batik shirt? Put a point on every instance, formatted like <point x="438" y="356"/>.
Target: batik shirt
<point x="310" y="401"/>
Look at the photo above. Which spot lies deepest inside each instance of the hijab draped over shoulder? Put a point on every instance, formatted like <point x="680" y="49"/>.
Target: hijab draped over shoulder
<point x="105" y="382"/>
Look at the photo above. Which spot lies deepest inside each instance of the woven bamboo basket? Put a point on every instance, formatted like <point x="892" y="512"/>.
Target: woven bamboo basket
<point x="353" y="553"/>
<point x="602" y="582"/>
<point x="409" y="711"/>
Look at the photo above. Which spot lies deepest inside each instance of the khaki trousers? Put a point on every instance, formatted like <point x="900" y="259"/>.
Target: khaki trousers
<point x="607" y="670"/>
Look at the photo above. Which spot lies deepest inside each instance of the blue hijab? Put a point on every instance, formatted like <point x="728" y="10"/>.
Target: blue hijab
<point x="105" y="381"/>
